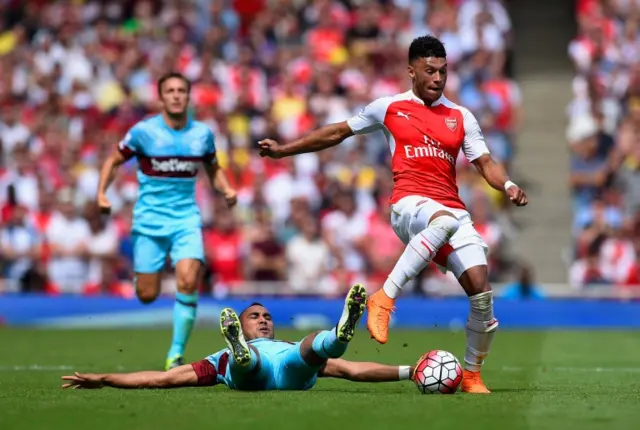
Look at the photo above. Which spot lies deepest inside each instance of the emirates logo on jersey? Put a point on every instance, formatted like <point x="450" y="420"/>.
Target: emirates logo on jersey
<point x="412" y="152"/>
<point x="451" y="123"/>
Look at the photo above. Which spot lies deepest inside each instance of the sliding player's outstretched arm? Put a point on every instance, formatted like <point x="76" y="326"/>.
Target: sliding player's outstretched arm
<point x="476" y="151"/>
<point x="365" y="371"/>
<point x="181" y="376"/>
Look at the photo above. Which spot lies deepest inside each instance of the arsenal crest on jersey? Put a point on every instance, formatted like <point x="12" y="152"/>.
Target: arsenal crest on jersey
<point x="451" y="123"/>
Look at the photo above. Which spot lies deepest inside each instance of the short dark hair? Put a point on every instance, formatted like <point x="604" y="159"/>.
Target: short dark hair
<point x="250" y="306"/>
<point x="426" y="46"/>
<point x="171" y="75"/>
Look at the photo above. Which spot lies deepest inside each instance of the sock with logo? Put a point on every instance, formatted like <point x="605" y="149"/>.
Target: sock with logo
<point x="481" y="329"/>
<point x="184" y="317"/>
<point x="419" y="252"/>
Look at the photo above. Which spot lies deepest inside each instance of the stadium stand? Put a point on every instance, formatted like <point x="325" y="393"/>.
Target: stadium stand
<point x="603" y="131"/>
<point x="76" y="75"/>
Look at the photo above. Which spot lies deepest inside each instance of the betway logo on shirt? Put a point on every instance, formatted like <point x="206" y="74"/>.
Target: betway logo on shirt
<point x="174" y="165"/>
<point x="432" y="149"/>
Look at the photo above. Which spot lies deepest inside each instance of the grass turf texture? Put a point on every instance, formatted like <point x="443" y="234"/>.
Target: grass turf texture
<point x="540" y="380"/>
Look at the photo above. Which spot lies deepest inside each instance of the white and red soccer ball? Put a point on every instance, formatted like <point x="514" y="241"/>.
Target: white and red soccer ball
<point x="438" y="372"/>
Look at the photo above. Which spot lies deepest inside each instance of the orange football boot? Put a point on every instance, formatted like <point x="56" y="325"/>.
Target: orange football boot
<point x="379" y="307"/>
<point x="472" y="383"/>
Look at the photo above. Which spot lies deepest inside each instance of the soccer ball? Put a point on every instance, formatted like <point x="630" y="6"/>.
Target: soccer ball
<point x="438" y="372"/>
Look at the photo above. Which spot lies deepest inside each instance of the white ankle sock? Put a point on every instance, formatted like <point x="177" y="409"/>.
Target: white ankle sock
<point x="481" y="329"/>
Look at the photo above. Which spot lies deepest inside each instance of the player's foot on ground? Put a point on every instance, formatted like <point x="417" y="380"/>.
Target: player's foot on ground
<point x="472" y="383"/>
<point x="354" y="306"/>
<point x="380" y="307"/>
<point x="232" y="332"/>
<point x="174" y="361"/>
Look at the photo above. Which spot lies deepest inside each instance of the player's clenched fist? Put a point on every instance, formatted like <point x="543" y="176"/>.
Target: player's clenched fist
<point x="517" y="195"/>
<point x="269" y="148"/>
<point x="104" y="204"/>
<point x="231" y="197"/>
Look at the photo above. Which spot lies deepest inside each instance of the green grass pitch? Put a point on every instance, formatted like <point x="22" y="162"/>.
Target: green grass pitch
<point x="540" y="380"/>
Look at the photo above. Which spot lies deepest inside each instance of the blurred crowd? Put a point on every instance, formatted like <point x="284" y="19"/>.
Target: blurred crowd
<point x="75" y="75"/>
<point x="604" y="137"/>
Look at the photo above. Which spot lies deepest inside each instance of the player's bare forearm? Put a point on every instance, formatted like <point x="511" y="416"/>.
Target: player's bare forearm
<point x="318" y="140"/>
<point x="182" y="376"/>
<point x="146" y="379"/>
<point x="497" y="177"/>
<point x="492" y="172"/>
<point x="365" y="371"/>
<point x="219" y="182"/>
<point x="109" y="170"/>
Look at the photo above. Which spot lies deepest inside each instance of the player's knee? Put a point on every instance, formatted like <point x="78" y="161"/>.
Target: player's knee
<point x="146" y="296"/>
<point x="187" y="282"/>
<point x="445" y="221"/>
<point x="147" y="288"/>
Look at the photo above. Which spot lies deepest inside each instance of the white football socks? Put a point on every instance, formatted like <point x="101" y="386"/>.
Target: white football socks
<point x="419" y="252"/>
<point x="481" y="328"/>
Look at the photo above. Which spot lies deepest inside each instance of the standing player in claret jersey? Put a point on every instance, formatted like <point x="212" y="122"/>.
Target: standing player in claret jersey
<point x="166" y="219"/>
<point x="426" y="131"/>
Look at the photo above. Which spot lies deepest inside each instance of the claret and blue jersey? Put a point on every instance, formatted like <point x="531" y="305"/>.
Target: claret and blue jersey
<point x="281" y="368"/>
<point x="168" y="162"/>
<point x="166" y="217"/>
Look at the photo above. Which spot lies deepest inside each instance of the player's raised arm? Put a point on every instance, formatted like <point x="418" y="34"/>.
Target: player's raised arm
<point x="476" y="151"/>
<point x="318" y="140"/>
<point x="181" y="376"/>
<point x="367" y="121"/>
<point x="365" y="371"/>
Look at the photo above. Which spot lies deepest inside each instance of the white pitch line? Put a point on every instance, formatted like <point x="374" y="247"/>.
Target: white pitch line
<point x="574" y="369"/>
<point x="515" y="369"/>
<point x="47" y="368"/>
<point x="34" y="368"/>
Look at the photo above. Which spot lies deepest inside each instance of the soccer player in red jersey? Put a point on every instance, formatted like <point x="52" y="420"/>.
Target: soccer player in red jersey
<point x="426" y="131"/>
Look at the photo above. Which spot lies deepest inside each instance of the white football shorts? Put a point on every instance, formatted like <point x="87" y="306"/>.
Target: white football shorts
<point x="411" y="214"/>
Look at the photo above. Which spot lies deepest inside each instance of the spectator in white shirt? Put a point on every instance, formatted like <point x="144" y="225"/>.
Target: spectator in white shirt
<point x="102" y="244"/>
<point x="308" y="257"/>
<point x="68" y="236"/>
<point x="20" y="244"/>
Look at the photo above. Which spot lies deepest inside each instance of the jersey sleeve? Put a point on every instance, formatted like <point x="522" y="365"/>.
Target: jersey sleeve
<point x="210" y="154"/>
<point x="131" y="144"/>
<point x="206" y="373"/>
<point x="371" y="118"/>
<point x="474" y="145"/>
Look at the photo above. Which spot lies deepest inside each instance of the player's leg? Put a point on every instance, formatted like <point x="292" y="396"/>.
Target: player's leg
<point x="469" y="265"/>
<point x="302" y="363"/>
<point x="186" y="255"/>
<point x="149" y="255"/>
<point x="333" y="343"/>
<point x="248" y="369"/>
<point x="425" y="226"/>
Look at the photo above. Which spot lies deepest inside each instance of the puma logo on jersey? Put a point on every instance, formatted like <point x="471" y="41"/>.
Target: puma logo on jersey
<point x="406" y="115"/>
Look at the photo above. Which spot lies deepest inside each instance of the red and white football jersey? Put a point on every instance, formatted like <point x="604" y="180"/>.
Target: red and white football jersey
<point x="424" y="142"/>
